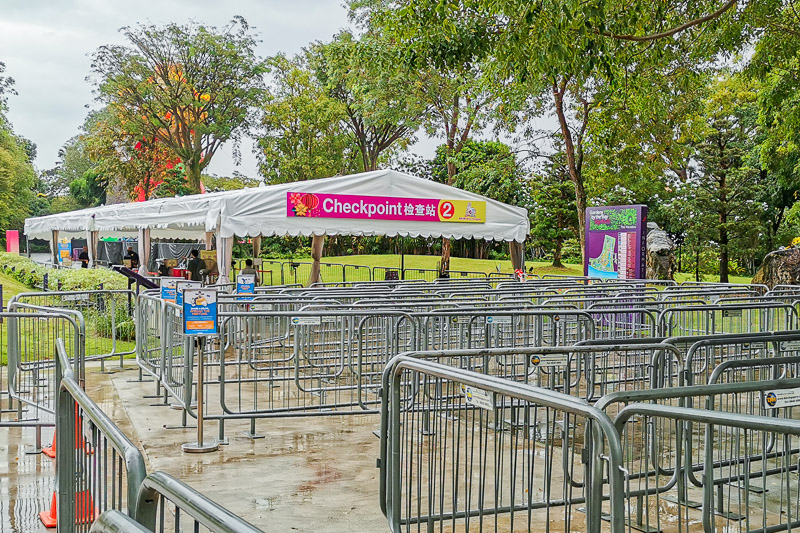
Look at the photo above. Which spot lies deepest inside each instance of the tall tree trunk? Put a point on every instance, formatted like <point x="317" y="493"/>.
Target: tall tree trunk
<point x="557" y="252"/>
<point x="723" y="248"/>
<point x="193" y="174"/>
<point x="446" y="244"/>
<point x="573" y="149"/>
<point x="723" y="229"/>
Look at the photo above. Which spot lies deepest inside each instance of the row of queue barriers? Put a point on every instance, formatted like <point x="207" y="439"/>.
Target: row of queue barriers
<point x="102" y="483"/>
<point x="552" y="405"/>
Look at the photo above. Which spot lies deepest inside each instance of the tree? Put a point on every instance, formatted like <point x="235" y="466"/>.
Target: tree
<point x="89" y="190"/>
<point x="189" y="87"/>
<point x="457" y="87"/>
<point x="488" y="168"/>
<point x="553" y="214"/>
<point x="567" y="57"/>
<point x="726" y="184"/>
<point x="17" y="177"/>
<point x="302" y="134"/>
<point x="382" y="112"/>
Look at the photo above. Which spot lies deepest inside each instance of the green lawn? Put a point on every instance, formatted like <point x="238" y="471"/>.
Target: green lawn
<point x="481" y="265"/>
<point x="12" y="287"/>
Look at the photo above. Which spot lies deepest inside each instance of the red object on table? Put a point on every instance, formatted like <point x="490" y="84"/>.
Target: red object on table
<point x="179" y="272"/>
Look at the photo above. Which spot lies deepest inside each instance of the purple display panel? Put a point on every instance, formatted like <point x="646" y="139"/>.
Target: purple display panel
<point x="616" y="242"/>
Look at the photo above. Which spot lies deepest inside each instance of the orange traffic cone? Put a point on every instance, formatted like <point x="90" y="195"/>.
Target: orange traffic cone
<point x="85" y="512"/>
<point x="50" y="518"/>
<point x="50" y="451"/>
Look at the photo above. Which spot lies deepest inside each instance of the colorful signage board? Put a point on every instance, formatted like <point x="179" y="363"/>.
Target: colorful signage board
<point x="616" y="242"/>
<point x="246" y="284"/>
<point x="169" y="288"/>
<point x="12" y="241"/>
<point x="199" y="311"/>
<point x="300" y="204"/>
<point x="64" y="250"/>
<point x="181" y="286"/>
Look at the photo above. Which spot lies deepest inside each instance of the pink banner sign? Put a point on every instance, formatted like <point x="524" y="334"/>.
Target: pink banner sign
<point x="12" y="241"/>
<point x="300" y="204"/>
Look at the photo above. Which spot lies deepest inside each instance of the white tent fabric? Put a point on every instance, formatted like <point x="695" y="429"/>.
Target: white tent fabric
<point x="224" y="254"/>
<point x="262" y="211"/>
<point x="181" y="217"/>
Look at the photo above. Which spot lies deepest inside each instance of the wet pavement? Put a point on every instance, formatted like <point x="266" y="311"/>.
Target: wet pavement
<point x="26" y="480"/>
<point x="314" y="474"/>
<point x="307" y="474"/>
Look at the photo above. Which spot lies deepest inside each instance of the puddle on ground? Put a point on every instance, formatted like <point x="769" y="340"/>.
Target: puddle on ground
<point x="26" y="481"/>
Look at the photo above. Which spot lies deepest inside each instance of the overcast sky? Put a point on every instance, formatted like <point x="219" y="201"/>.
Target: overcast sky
<point x="46" y="46"/>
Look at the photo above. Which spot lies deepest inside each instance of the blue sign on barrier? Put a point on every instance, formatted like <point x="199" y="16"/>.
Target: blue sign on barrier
<point x="169" y="289"/>
<point x="246" y="284"/>
<point x="199" y="311"/>
<point x="181" y="286"/>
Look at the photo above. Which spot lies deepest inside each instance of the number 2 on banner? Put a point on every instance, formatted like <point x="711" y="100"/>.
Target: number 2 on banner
<point x="446" y="210"/>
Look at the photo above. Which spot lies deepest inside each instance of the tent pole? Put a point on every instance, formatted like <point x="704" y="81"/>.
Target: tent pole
<point x="402" y="258"/>
<point x="54" y="245"/>
<point x="256" y="246"/>
<point x="517" y="253"/>
<point x="317" y="241"/>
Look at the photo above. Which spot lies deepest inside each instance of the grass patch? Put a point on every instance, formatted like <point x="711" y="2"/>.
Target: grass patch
<point x="12" y="287"/>
<point x="481" y="265"/>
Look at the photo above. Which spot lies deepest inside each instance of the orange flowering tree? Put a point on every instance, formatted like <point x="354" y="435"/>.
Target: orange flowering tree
<point x="190" y="88"/>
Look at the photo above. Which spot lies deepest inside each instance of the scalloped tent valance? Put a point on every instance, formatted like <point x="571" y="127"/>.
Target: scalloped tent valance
<point x="264" y="211"/>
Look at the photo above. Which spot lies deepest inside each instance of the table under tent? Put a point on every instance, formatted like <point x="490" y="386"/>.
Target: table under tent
<point x="378" y="203"/>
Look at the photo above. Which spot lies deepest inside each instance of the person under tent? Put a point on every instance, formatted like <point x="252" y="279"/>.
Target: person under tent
<point x="249" y="269"/>
<point x="133" y="257"/>
<point x="84" y="257"/>
<point x="195" y="266"/>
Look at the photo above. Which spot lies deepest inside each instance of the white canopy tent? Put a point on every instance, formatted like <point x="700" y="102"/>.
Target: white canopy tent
<point x="383" y="202"/>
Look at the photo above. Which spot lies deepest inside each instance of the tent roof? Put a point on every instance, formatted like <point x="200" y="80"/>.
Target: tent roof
<point x="263" y="211"/>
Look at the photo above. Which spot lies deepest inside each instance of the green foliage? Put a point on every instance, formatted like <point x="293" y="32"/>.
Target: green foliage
<point x="90" y="189"/>
<point x="17" y="179"/>
<point x="553" y="215"/>
<point x="190" y="87"/>
<point x="382" y="112"/>
<point x="221" y="183"/>
<point x="31" y="274"/>
<point x="489" y="168"/>
<point x="303" y="134"/>
<point x="174" y="184"/>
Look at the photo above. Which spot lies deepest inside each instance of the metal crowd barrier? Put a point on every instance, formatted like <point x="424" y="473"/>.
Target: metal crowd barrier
<point x="166" y="503"/>
<point x="464" y="451"/>
<point x="98" y="467"/>
<point x="461" y="451"/>
<point x="30" y="353"/>
<point x="108" y="316"/>
<point x="102" y="481"/>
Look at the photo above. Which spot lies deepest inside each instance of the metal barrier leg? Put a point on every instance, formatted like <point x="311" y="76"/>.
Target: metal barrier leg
<point x="200" y="446"/>
<point x="252" y="433"/>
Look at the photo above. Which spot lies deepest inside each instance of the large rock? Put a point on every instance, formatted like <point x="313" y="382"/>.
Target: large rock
<point x="781" y="267"/>
<point x="660" y="253"/>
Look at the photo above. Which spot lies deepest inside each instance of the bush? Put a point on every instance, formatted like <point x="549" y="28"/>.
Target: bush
<point x="32" y="274"/>
<point x="124" y="325"/>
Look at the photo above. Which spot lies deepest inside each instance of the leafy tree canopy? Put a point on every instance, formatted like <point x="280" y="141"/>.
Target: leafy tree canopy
<point x="189" y="87"/>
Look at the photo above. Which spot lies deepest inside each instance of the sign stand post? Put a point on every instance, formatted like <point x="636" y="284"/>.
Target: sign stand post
<point x="200" y="446"/>
<point x="199" y="321"/>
